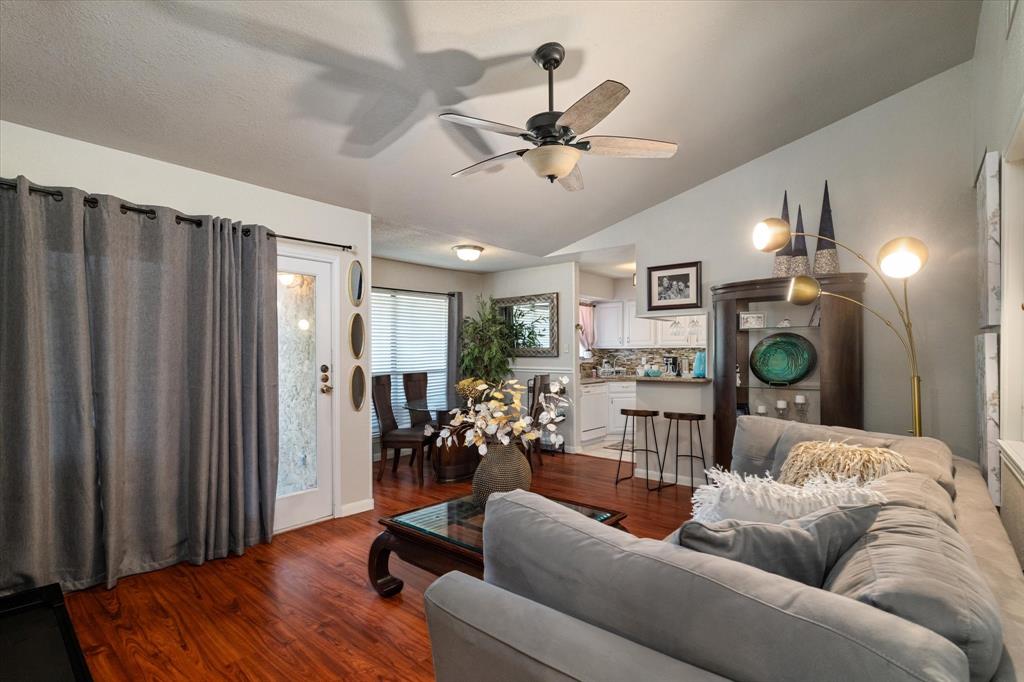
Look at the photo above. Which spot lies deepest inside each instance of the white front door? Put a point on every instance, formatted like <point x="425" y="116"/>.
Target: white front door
<point x="305" y="380"/>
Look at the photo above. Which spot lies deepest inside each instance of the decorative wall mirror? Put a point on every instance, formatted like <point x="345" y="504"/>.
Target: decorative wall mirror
<point x="355" y="282"/>
<point x="536" y="322"/>
<point x="356" y="335"/>
<point x="358" y="387"/>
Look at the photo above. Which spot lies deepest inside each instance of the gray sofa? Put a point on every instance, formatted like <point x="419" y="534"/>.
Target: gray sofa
<point x="567" y="598"/>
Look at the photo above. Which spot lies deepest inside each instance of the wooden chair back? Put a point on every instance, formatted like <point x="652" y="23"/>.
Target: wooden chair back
<point x="382" y="403"/>
<point x="540" y="385"/>
<point x="415" y="385"/>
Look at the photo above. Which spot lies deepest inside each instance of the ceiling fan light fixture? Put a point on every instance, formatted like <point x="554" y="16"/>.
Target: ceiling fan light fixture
<point x="552" y="161"/>
<point x="468" y="252"/>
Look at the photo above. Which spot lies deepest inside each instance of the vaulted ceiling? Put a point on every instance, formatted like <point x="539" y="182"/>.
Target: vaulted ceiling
<point x="339" y="101"/>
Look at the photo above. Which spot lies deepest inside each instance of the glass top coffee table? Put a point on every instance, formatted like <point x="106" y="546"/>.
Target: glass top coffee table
<point x="445" y="536"/>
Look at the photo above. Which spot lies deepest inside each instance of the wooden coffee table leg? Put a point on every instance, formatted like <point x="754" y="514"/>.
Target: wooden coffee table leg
<point x="386" y="584"/>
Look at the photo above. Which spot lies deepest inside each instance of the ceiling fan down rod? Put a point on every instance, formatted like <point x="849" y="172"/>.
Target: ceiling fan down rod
<point x="551" y="88"/>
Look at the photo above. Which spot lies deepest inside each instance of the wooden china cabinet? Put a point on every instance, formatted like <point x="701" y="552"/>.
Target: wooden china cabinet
<point x="834" y="391"/>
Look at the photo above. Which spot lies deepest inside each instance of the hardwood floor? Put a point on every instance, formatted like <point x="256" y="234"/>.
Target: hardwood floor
<point x="302" y="607"/>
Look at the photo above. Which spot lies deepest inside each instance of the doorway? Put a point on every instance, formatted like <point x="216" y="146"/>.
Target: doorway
<point x="306" y="356"/>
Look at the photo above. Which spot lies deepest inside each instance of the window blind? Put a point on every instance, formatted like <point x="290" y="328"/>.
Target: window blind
<point x="410" y="334"/>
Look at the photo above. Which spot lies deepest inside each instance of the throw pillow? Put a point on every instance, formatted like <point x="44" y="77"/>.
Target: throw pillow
<point x="803" y="549"/>
<point x="798" y="432"/>
<point x="839" y="459"/>
<point x="756" y="498"/>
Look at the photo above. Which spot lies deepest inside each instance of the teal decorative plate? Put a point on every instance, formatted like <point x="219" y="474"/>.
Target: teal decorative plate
<point x="782" y="359"/>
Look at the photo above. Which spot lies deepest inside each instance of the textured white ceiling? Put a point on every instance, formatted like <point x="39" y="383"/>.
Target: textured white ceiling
<point x="338" y="101"/>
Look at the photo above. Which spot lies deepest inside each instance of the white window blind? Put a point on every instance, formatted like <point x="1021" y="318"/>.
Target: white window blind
<point x="410" y="334"/>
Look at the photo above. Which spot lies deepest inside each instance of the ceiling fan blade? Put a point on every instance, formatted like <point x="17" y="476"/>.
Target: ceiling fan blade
<point x="573" y="182"/>
<point x="485" y="125"/>
<point x="630" y="147"/>
<point x="489" y="163"/>
<point x="591" y="109"/>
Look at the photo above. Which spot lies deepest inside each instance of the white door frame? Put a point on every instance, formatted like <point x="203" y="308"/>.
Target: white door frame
<point x="333" y="259"/>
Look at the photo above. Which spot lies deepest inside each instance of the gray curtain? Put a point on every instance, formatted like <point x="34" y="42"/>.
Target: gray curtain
<point x="138" y="388"/>
<point x="454" y="343"/>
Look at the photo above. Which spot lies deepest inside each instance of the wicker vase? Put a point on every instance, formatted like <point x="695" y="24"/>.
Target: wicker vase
<point x="504" y="468"/>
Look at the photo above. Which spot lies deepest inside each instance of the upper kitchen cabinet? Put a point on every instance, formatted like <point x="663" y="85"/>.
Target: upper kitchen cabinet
<point x="608" y="325"/>
<point x="639" y="331"/>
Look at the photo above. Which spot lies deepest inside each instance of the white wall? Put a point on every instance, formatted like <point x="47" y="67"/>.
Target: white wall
<point x="562" y="278"/>
<point x="48" y="159"/>
<point x="402" y="275"/>
<point x="595" y="286"/>
<point x="901" y="166"/>
<point x="998" y="78"/>
<point x="622" y="288"/>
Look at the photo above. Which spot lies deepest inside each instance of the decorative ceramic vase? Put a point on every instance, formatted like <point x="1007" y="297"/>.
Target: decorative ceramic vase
<point x="503" y="469"/>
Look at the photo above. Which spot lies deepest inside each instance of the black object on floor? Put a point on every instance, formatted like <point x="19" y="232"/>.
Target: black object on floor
<point x="37" y="641"/>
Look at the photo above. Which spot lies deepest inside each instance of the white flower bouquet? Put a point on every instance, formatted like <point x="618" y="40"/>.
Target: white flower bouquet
<point x="496" y="415"/>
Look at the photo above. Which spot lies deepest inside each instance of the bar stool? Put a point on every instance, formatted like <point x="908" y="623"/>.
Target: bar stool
<point x="648" y="417"/>
<point x="690" y="418"/>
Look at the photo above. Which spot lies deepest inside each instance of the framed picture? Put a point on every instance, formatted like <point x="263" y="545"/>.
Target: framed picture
<point x="674" y="287"/>
<point x="752" y="321"/>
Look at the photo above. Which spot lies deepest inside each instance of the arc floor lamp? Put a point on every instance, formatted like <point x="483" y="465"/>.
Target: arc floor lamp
<point x="899" y="258"/>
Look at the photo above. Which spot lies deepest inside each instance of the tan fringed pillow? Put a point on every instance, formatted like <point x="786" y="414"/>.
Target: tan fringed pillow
<point x="839" y="460"/>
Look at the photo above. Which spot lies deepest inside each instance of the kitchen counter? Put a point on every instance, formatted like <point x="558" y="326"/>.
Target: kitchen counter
<point x="631" y="377"/>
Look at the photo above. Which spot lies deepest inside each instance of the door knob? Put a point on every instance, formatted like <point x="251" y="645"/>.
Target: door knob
<point x="326" y="388"/>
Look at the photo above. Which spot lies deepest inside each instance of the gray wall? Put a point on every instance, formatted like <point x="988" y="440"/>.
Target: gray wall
<point x="901" y="166"/>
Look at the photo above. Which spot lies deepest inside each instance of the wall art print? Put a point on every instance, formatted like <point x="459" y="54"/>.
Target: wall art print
<point x="989" y="249"/>
<point x="674" y="287"/>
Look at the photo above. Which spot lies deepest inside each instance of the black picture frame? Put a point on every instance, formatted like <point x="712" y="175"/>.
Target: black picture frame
<point x="691" y="271"/>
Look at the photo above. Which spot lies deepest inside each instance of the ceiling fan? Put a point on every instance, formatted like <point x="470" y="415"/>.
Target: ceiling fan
<point x="554" y="134"/>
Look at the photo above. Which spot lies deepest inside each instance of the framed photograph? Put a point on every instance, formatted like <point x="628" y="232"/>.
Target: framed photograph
<point x="752" y="321"/>
<point x="674" y="287"/>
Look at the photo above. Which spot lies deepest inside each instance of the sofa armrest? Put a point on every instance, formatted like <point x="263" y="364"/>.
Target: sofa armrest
<point x="484" y="633"/>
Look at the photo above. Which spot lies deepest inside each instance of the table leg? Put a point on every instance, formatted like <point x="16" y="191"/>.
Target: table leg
<point x="386" y="584"/>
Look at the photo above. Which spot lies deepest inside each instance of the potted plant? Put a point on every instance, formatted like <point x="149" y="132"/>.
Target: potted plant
<point x="497" y="424"/>
<point x="489" y="341"/>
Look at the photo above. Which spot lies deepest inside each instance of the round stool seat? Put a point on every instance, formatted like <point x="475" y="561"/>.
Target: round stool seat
<point x="638" y="413"/>
<point x="687" y="416"/>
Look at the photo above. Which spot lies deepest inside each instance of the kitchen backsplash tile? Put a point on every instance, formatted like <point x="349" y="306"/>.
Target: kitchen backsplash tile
<point x="629" y="358"/>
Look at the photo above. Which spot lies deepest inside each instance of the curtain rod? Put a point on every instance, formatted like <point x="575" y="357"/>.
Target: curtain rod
<point x="415" y="291"/>
<point x="93" y="202"/>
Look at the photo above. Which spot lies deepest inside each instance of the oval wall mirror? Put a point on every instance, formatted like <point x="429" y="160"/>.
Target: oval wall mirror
<point x="355" y="282"/>
<point x="358" y="384"/>
<point x="356" y="335"/>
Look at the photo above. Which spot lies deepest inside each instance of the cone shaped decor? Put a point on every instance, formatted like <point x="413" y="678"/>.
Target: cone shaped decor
<point x="798" y="263"/>
<point x="782" y="256"/>
<point x="826" y="257"/>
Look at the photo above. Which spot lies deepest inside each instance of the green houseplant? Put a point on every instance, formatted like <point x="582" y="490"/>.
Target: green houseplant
<point x="489" y="340"/>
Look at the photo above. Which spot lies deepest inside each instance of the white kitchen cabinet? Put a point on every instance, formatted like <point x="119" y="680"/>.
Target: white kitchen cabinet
<point x="621" y="395"/>
<point x="639" y="330"/>
<point x="594" y="411"/>
<point x="608" y="325"/>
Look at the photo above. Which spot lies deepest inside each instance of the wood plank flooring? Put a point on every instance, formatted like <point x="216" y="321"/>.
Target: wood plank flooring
<point x="302" y="607"/>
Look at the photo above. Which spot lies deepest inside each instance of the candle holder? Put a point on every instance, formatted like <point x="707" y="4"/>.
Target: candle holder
<point x="801" y="411"/>
<point x="781" y="409"/>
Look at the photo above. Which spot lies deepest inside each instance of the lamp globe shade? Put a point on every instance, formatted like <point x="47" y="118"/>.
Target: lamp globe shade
<point x="803" y="290"/>
<point x="771" y="234"/>
<point x="902" y="257"/>
<point x="552" y="161"/>
<point x="467" y="252"/>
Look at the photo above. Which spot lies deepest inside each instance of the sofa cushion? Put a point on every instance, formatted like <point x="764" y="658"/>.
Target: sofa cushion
<point x="912" y="489"/>
<point x="803" y="549"/>
<point x="696" y="607"/>
<point x="753" y="444"/>
<point x="797" y="432"/>
<point x="931" y="457"/>
<point x="912" y="564"/>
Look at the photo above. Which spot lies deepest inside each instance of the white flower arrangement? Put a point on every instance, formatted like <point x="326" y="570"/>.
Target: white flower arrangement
<point x="497" y="415"/>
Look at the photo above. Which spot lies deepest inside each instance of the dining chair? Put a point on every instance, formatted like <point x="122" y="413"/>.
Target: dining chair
<point x="415" y="386"/>
<point x="392" y="437"/>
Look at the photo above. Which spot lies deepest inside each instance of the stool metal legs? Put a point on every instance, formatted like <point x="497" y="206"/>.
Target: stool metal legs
<point x="691" y="456"/>
<point x="648" y="422"/>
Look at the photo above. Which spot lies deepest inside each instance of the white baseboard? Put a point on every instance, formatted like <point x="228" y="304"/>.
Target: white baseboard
<point x="684" y="479"/>
<point x="598" y="450"/>
<point x="356" y="507"/>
